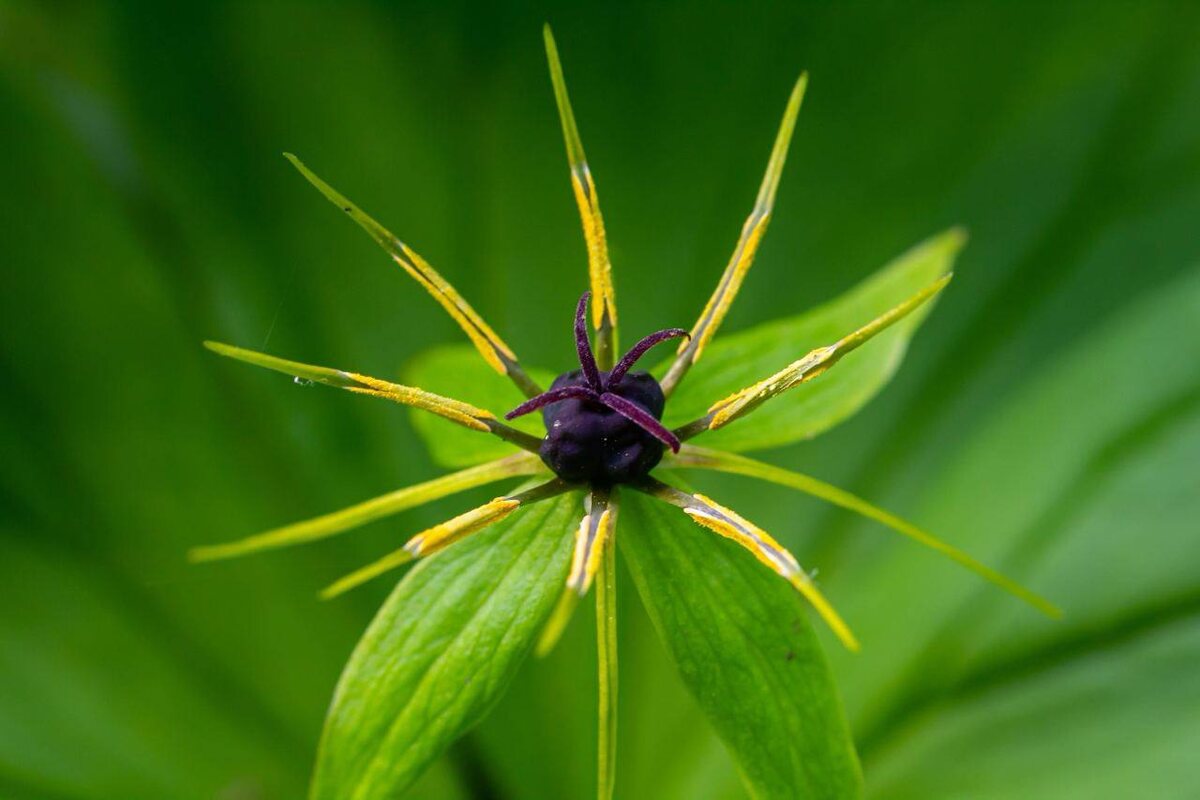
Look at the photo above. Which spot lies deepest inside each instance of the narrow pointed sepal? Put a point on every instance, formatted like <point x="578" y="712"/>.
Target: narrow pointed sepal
<point x="360" y="514"/>
<point x="391" y="561"/>
<point x="442" y="535"/>
<point x="594" y="531"/>
<point x="447" y="533"/>
<point x="493" y="349"/>
<point x="641" y="417"/>
<point x="744" y="251"/>
<point x="464" y="414"/>
<point x="814" y="363"/>
<point x="564" y="610"/>
<point x="604" y="307"/>
<point x="702" y="458"/>
<point x="728" y="523"/>
<point x="591" y="537"/>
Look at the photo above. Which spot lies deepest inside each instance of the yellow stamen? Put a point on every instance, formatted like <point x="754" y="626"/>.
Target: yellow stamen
<point x="447" y="533"/>
<point x="493" y="349"/>
<point x="593" y="535"/>
<point x="427" y="542"/>
<point x="589" y="544"/>
<point x="703" y="458"/>
<point x="728" y="523"/>
<point x="810" y="366"/>
<point x="455" y="410"/>
<point x="376" y="508"/>
<point x="604" y="307"/>
<point x="731" y="525"/>
<point x="740" y="262"/>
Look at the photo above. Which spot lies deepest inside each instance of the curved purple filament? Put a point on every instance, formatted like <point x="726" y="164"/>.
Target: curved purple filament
<point x="552" y="396"/>
<point x="597" y="383"/>
<point x="639" y="350"/>
<point x="584" y="347"/>
<point x="640" y="417"/>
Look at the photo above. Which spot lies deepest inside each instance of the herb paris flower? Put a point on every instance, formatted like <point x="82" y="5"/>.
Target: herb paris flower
<point x="606" y="434"/>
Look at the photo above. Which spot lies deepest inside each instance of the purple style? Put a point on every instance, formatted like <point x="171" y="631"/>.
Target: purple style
<point x="603" y="427"/>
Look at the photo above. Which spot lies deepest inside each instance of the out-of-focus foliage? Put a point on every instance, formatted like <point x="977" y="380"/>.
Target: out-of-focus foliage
<point x="738" y="636"/>
<point x="1046" y="416"/>
<point x="441" y="651"/>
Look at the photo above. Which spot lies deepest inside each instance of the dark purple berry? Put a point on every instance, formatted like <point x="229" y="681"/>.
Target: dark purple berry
<point x="588" y="441"/>
<point x="603" y="427"/>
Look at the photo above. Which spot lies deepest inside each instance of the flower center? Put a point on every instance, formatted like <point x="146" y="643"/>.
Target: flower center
<point x="603" y="427"/>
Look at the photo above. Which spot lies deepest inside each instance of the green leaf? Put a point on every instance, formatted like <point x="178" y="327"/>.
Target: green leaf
<point x="1123" y="724"/>
<point x="1073" y="159"/>
<point x="72" y="727"/>
<point x="1084" y="486"/>
<point x="458" y="369"/>
<point x="734" y="362"/>
<point x="741" y="640"/>
<point x="441" y="651"/>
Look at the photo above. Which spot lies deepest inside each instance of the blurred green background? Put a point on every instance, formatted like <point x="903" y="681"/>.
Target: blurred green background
<point x="1047" y="419"/>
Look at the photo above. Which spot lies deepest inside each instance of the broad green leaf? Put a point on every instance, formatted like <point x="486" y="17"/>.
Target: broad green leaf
<point x="741" y="640"/>
<point x="70" y="725"/>
<point x="460" y="369"/>
<point x="1103" y="522"/>
<point x="1117" y="721"/>
<point x="1131" y="521"/>
<point x="736" y="361"/>
<point x="441" y="651"/>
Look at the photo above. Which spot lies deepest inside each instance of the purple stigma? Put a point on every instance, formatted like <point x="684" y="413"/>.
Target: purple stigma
<point x="584" y="347"/>
<point x="552" y="396"/>
<point x="640" y="417"/>
<point x="639" y="350"/>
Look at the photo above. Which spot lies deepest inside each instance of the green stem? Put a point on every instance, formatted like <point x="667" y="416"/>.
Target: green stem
<point x="606" y="645"/>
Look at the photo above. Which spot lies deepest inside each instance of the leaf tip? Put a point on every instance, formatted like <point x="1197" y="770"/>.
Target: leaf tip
<point x="199" y="555"/>
<point x="801" y="84"/>
<point x="1051" y="610"/>
<point x="332" y="591"/>
<point x="956" y="238"/>
<point x="295" y="161"/>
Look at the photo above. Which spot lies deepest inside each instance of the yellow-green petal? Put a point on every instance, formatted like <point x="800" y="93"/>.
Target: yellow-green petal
<point x="701" y="458"/>
<point x="813" y="364"/>
<point x="385" y="505"/>
<point x="604" y="303"/>
<point x="733" y="362"/>
<point x="728" y="523"/>
<point x="489" y="344"/>
<point x="456" y="411"/>
<point x="437" y="538"/>
<point x="740" y="262"/>
<point x="593" y="531"/>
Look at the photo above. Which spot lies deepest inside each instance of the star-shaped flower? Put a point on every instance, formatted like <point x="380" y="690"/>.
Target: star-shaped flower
<point x="605" y="435"/>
